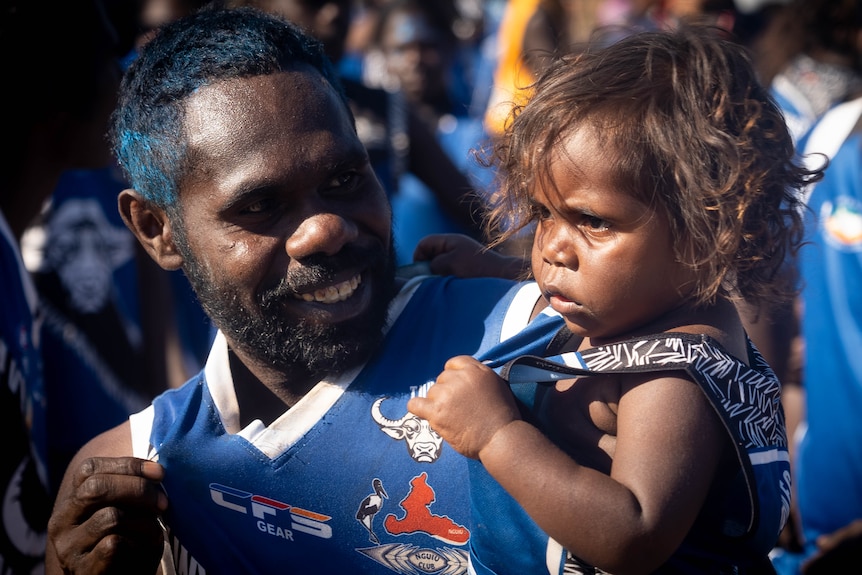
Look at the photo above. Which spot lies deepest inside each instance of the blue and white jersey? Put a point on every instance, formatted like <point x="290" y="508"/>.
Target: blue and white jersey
<point x="26" y="501"/>
<point x="828" y="470"/>
<point x="807" y="88"/>
<point x="799" y="113"/>
<point x="739" y="523"/>
<point x="345" y="481"/>
<point x="82" y="260"/>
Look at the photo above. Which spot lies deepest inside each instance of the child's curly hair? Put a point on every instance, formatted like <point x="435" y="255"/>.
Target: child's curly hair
<point x="692" y="132"/>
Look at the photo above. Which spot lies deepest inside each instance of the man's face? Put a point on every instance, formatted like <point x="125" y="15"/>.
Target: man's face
<point x="285" y="230"/>
<point x="416" y="55"/>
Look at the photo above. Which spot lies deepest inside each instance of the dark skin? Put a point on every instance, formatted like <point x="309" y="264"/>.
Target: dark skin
<point x="643" y="500"/>
<point x="459" y="255"/>
<point x="252" y="215"/>
<point x="543" y="41"/>
<point x="329" y="23"/>
<point x="642" y="449"/>
<point x="418" y="55"/>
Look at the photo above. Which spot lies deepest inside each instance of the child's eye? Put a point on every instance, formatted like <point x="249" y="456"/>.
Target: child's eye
<point x="595" y="223"/>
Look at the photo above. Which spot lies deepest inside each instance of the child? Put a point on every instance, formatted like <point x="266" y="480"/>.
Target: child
<point x="661" y="181"/>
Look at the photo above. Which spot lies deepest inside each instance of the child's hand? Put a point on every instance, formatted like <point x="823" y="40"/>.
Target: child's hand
<point x="467" y="405"/>
<point x="462" y="256"/>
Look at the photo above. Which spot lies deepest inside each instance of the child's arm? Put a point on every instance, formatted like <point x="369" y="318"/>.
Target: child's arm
<point x="462" y="256"/>
<point x="667" y="448"/>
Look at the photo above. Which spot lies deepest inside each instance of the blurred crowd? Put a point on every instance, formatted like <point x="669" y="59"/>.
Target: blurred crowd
<point x="431" y="82"/>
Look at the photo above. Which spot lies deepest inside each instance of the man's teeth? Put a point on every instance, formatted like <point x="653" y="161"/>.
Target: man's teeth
<point x="333" y="293"/>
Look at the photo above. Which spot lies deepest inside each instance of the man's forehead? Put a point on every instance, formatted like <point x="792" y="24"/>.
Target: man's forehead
<point x="286" y="125"/>
<point x="295" y="81"/>
<point x="299" y="97"/>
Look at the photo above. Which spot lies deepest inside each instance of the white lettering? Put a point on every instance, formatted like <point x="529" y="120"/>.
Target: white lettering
<point x="420" y="390"/>
<point x="310" y="526"/>
<point x="184" y="563"/>
<point x="275" y="530"/>
<point x="260" y="511"/>
<point x="218" y="497"/>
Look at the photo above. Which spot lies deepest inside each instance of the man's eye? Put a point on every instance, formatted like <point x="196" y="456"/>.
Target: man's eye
<point x="344" y="182"/>
<point x="258" y="207"/>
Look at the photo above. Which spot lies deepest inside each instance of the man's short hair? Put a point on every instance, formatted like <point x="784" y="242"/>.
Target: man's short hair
<point x="209" y="46"/>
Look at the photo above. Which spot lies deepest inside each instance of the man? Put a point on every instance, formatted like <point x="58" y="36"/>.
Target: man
<point x="404" y="151"/>
<point x="248" y="174"/>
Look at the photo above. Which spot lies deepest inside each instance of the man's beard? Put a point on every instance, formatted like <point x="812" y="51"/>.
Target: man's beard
<point x="293" y="344"/>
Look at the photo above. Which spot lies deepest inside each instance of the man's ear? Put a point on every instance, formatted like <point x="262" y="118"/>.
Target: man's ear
<point x="152" y="226"/>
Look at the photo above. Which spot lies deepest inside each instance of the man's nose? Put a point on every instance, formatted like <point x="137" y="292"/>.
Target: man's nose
<point x="322" y="233"/>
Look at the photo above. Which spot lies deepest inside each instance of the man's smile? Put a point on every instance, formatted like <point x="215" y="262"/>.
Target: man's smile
<point x="331" y="294"/>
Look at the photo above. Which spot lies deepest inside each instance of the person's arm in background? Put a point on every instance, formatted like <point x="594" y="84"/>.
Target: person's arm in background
<point x="453" y="190"/>
<point x="837" y="551"/>
<point x="541" y="41"/>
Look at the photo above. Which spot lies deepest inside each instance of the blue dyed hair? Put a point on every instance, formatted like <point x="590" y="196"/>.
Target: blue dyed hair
<point x="209" y="46"/>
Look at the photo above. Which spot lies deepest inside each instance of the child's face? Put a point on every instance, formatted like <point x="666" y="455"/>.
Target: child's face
<point x="603" y="258"/>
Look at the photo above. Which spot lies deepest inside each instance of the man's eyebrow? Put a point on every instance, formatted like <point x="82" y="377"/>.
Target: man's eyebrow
<point x="354" y="161"/>
<point x="353" y="158"/>
<point x="349" y="155"/>
<point x="249" y="192"/>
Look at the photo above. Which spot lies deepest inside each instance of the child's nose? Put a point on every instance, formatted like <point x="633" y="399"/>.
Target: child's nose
<point x="555" y="245"/>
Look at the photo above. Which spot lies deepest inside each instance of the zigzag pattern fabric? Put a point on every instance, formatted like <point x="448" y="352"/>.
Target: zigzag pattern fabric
<point x="746" y="397"/>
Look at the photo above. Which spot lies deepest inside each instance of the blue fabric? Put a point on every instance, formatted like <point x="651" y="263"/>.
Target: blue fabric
<point x="829" y="460"/>
<point x="236" y="510"/>
<point x="798" y="119"/>
<point x="416" y="211"/>
<point x="26" y="501"/>
<point x="93" y="342"/>
<point x="735" y="532"/>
